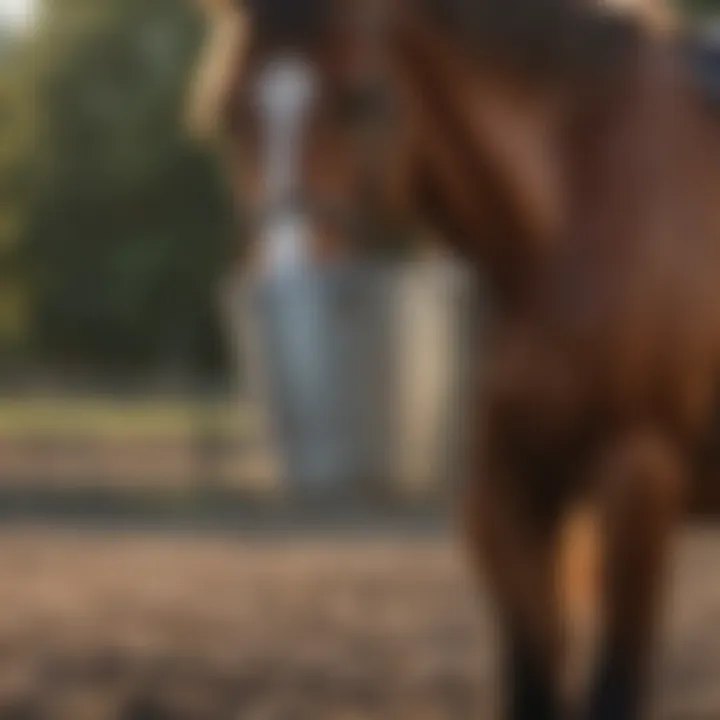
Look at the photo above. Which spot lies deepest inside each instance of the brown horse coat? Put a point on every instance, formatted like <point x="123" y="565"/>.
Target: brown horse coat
<point x="602" y="359"/>
<point x="604" y="247"/>
<point x="568" y="157"/>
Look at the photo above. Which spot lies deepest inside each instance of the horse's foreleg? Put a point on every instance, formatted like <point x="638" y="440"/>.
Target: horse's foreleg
<point x="641" y="486"/>
<point x="515" y="543"/>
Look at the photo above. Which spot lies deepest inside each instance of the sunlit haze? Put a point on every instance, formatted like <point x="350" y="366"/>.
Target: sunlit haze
<point x="16" y="13"/>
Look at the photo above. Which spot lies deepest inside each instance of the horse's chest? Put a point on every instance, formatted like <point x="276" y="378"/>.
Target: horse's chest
<point x="548" y="388"/>
<point x="534" y="394"/>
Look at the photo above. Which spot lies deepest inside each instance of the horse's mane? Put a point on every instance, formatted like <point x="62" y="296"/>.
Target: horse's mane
<point x="543" y="37"/>
<point x="548" y="37"/>
<point x="295" y="22"/>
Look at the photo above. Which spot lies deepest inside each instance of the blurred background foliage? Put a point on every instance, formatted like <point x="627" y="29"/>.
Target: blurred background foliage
<point x="699" y="6"/>
<point x="114" y="229"/>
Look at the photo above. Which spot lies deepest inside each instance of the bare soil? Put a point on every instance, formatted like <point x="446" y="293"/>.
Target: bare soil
<point x="127" y="627"/>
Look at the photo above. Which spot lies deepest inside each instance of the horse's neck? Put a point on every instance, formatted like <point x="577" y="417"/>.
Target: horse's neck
<point x="503" y="176"/>
<point x="488" y="175"/>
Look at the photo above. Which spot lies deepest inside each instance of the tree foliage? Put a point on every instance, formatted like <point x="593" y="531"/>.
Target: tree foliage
<point x="701" y="7"/>
<point x="119" y="227"/>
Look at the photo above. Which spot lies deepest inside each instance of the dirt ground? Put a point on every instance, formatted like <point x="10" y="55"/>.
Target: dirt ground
<point x="129" y="627"/>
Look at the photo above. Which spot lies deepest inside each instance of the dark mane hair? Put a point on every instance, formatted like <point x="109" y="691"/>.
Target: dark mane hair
<point x="289" y="22"/>
<point x="542" y="37"/>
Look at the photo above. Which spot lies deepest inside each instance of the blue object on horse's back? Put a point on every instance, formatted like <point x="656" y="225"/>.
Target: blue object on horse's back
<point x="703" y="49"/>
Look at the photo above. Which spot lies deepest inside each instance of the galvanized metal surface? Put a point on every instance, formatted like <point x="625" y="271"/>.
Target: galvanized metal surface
<point x="362" y="370"/>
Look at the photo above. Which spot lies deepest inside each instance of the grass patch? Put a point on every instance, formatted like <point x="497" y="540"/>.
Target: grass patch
<point x="118" y="418"/>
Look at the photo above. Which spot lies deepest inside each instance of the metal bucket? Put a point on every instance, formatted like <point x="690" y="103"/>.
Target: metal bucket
<point x="434" y="323"/>
<point x="358" y="368"/>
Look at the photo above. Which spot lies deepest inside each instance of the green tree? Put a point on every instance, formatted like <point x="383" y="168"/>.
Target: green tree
<point x="700" y="7"/>
<point x="16" y="143"/>
<point x="127" y="227"/>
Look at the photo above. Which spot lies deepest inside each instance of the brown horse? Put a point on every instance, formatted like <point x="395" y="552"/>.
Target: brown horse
<point x="565" y="152"/>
